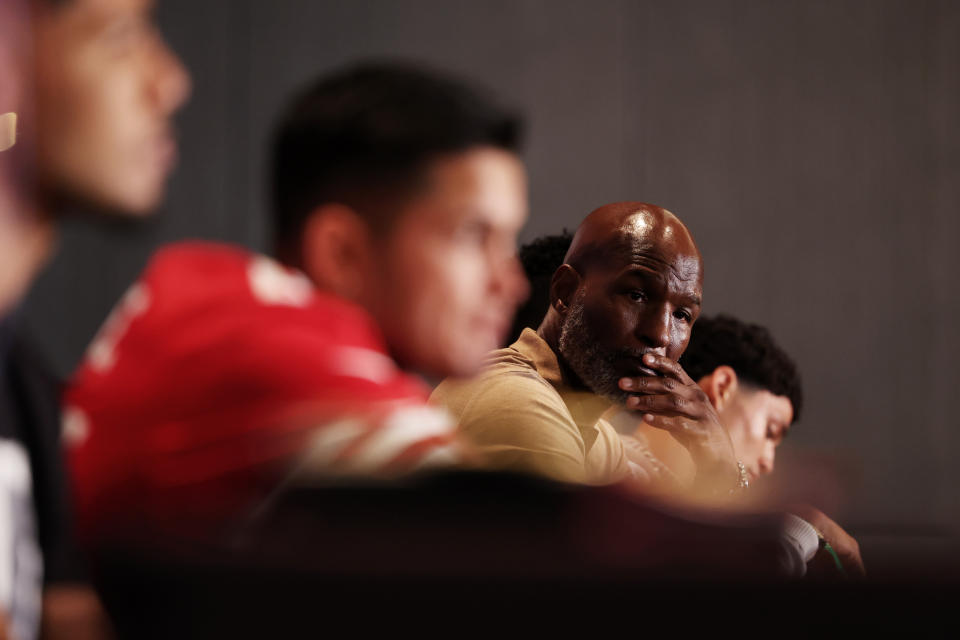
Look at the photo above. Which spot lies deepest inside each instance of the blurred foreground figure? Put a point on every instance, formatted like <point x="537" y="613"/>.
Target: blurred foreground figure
<point x="398" y="197"/>
<point x="22" y="242"/>
<point x="107" y="86"/>
<point x="95" y="134"/>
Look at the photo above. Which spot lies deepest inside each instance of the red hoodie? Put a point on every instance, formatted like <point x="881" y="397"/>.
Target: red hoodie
<point x="221" y="371"/>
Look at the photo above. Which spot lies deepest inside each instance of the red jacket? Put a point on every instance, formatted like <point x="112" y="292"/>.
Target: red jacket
<point x="217" y="373"/>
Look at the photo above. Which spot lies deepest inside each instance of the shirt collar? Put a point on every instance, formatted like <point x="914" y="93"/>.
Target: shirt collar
<point x="585" y="407"/>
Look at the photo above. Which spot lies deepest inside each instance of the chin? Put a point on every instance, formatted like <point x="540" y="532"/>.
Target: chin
<point x="467" y="364"/>
<point x="138" y="203"/>
<point x="144" y="202"/>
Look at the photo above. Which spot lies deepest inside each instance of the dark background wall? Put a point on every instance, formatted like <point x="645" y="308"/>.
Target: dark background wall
<point x="812" y="147"/>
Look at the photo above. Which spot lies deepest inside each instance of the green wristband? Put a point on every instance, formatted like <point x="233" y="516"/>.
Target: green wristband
<point x="836" y="558"/>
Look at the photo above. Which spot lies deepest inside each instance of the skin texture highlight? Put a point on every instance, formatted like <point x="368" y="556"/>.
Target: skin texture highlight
<point x="636" y="273"/>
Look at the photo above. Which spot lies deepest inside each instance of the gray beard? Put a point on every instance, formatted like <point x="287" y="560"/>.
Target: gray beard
<point x="594" y="365"/>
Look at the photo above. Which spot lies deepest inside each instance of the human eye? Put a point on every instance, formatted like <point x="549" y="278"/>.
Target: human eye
<point x="473" y="231"/>
<point x="637" y="295"/>
<point x="683" y="314"/>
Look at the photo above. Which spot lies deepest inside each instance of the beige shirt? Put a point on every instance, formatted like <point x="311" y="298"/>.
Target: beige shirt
<point x="524" y="417"/>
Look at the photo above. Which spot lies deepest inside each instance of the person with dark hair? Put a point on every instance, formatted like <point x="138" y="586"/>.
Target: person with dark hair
<point x="415" y="177"/>
<point x="398" y="195"/>
<point x="540" y="259"/>
<point x="753" y="384"/>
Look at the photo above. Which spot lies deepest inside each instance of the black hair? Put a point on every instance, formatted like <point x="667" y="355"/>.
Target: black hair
<point x="749" y="350"/>
<point x="540" y="259"/>
<point x="362" y="137"/>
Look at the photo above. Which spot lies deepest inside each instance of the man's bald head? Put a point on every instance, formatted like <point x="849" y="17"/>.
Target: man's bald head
<point x="623" y="230"/>
<point x="631" y="284"/>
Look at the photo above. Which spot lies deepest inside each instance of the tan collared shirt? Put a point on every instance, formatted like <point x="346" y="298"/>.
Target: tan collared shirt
<point x="523" y="416"/>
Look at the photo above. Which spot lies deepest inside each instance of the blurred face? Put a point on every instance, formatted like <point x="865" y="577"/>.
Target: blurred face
<point x="448" y="280"/>
<point x="643" y="299"/>
<point x="107" y="87"/>
<point x="757" y="422"/>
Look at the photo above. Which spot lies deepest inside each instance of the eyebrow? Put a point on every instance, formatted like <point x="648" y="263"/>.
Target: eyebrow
<point x="693" y="300"/>
<point x="640" y="270"/>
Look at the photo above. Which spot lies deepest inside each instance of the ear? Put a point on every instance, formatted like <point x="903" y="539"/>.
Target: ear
<point x="563" y="287"/>
<point x="336" y="250"/>
<point x="720" y="386"/>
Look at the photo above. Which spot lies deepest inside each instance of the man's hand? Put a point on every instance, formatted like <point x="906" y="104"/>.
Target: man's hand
<point x="675" y="403"/>
<point x="845" y="546"/>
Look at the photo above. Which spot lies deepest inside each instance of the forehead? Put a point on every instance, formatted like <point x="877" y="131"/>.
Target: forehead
<point x="640" y="245"/>
<point x="481" y="183"/>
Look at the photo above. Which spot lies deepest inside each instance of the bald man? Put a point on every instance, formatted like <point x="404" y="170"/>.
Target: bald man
<point x="621" y="309"/>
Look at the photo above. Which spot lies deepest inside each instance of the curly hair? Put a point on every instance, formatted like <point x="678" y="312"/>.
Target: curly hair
<point x="540" y="258"/>
<point x="749" y="350"/>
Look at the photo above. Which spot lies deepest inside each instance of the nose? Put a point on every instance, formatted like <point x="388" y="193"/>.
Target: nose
<point x="653" y="326"/>
<point x="171" y="85"/>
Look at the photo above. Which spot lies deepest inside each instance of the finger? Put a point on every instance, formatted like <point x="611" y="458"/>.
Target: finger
<point x="667" y="366"/>
<point x="853" y="563"/>
<point x="666" y="404"/>
<point x="653" y="384"/>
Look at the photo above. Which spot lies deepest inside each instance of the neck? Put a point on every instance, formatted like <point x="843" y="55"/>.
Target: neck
<point x="26" y="243"/>
<point x="550" y="329"/>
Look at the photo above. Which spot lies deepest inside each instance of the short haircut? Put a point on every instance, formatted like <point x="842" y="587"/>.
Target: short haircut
<point x="363" y="137"/>
<point x="749" y="350"/>
<point x="540" y="258"/>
